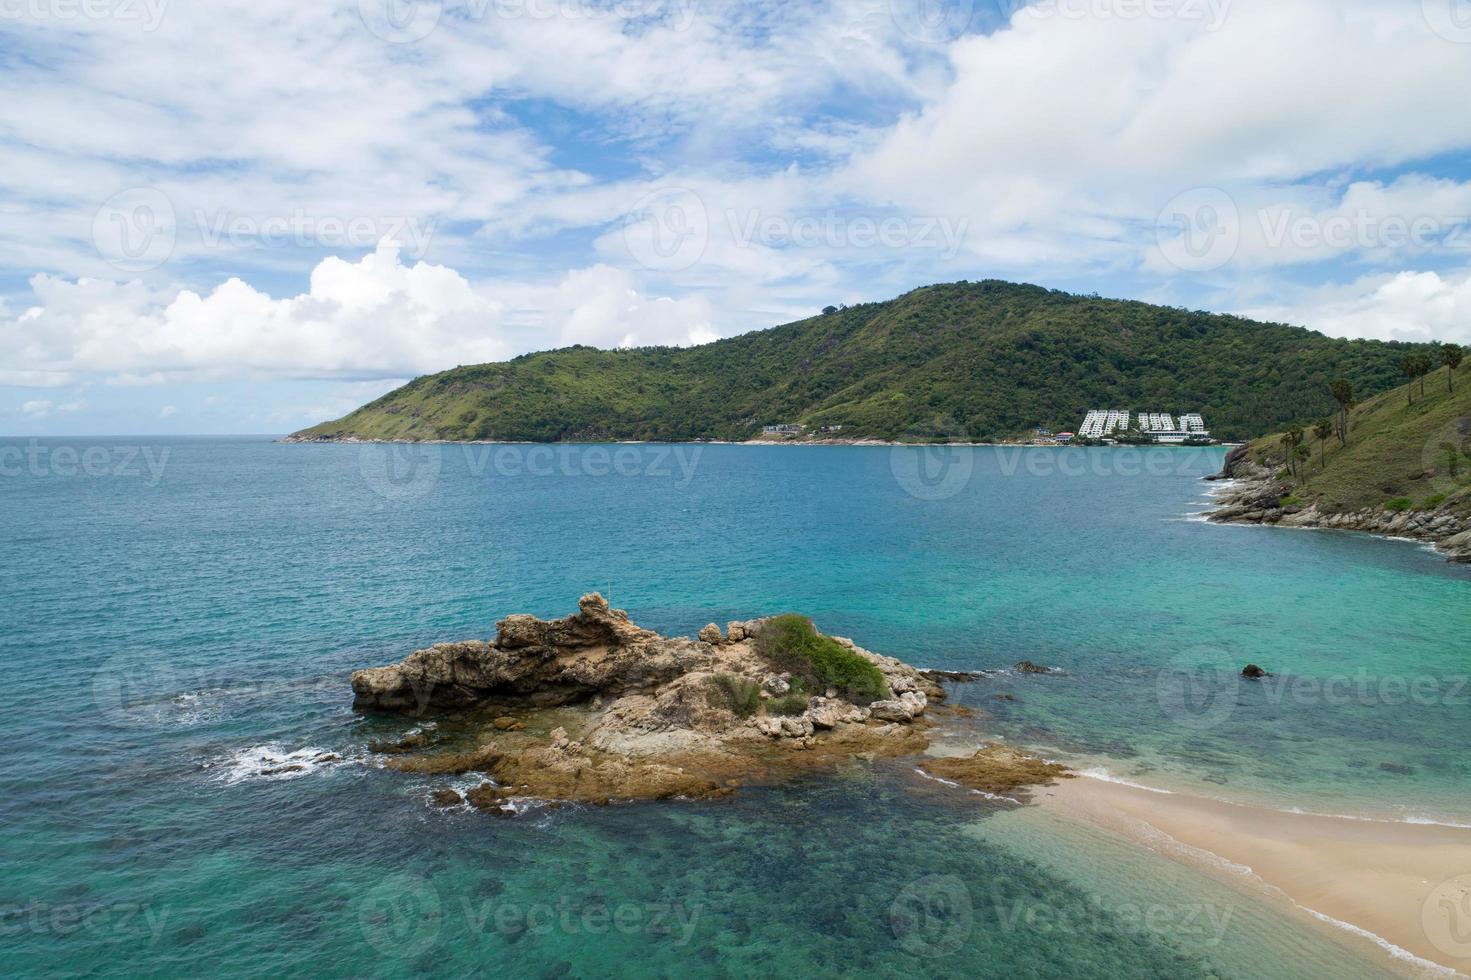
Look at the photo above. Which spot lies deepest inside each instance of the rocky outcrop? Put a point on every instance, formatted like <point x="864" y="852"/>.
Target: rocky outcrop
<point x="593" y="708"/>
<point x="545" y="663"/>
<point x="1259" y="500"/>
<point x="996" y="769"/>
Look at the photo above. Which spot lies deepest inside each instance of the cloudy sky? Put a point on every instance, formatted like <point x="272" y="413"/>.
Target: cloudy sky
<point x="229" y="216"/>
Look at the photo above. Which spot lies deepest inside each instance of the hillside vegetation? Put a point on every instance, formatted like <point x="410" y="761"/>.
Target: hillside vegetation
<point x="1401" y="455"/>
<point x="966" y="360"/>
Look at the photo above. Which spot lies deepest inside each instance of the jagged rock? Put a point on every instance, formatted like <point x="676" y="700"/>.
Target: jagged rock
<point x="446" y="798"/>
<point x="710" y="634"/>
<point x="1027" y="667"/>
<point x="735" y="632"/>
<point x="1254" y="672"/>
<point x="830" y="712"/>
<point x="546" y="662"/>
<point x="777" y="684"/>
<point x="559" y="738"/>
<point x="508" y="724"/>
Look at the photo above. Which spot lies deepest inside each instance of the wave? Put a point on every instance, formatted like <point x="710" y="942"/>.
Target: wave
<point x="1103" y="775"/>
<point x="272" y="762"/>
<point x="1430" y="967"/>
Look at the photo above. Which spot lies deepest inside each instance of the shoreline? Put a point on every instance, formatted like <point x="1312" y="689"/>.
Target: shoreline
<point x="1252" y="495"/>
<point x="881" y="443"/>
<point x="1371" y="882"/>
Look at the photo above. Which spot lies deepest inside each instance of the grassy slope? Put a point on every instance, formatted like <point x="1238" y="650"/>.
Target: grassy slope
<point x="1395" y="450"/>
<point x="969" y="359"/>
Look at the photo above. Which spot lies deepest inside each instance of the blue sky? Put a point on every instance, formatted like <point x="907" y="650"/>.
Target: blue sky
<point x="249" y="217"/>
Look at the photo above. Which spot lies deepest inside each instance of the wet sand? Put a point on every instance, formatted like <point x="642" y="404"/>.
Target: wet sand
<point x="1396" y="881"/>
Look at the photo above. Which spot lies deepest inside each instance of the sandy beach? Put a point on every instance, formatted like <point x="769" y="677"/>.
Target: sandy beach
<point x="1401" y="890"/>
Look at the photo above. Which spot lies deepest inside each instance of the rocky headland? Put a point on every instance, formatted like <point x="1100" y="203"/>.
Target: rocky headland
<point x="593" y="708"/>
<point x="1260" y="496"/>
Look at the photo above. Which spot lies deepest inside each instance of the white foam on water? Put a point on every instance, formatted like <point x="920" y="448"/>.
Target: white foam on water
<point x="1103" y="775"/>
<point x="1430" y="967"/>
<point x="273" y="762"/>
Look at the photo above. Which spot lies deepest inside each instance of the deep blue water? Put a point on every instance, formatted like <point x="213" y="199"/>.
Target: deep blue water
<point x="172" y="621"/>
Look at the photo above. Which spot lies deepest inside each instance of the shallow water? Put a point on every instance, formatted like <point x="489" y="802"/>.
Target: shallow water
<point x="178" y="640"/>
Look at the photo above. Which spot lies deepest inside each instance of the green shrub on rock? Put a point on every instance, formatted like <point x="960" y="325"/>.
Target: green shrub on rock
<point x="791" y="643"/>
<point x="736" y="693"/>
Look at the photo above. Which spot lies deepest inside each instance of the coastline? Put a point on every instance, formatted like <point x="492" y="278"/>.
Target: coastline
<point x="1254" y="495"/>
<point x="1374" y="883"/>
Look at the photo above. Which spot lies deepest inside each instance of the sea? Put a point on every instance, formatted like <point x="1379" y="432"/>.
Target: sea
<point x="187" y="789"/>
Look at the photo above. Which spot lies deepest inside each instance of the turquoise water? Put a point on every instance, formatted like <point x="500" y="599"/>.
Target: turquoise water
<point x="175" y="624"/>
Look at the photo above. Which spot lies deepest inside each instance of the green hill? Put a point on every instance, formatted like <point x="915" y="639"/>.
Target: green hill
<point x="1400" y="454"/>
<point x="978" y="360"/>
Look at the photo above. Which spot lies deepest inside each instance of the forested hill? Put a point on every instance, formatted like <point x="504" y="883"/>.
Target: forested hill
<point x="977" y="360"/>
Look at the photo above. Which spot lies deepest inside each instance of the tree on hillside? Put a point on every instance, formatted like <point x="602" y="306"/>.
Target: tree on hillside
<point x="1409" y="366"/>
<point x="1343" y="394"/>
<point x="1322" y="429"/>
<point x="1291" y="440"/>
<point x="1450" y="356"/>
<point x="1423" y="366"/>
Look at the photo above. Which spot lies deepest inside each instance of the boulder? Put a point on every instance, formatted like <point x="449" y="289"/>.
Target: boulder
<point x="1254" y="672"/>
<point x="906" y="707"/>
<point x="1027" y="667"/>
<point x="710" y="634"/>
<point x="735" y="631"/>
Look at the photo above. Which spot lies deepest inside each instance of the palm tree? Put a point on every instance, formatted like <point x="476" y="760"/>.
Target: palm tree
<point x="1450" y="356"/>
<point x="1291" y="439"/>
<point x="1302" y="454"/>
<point x="1423" y="366"/>
<point x="1322" y="429"/>
<point x="1343" y="394"/>
<point x="1409" y="367"/>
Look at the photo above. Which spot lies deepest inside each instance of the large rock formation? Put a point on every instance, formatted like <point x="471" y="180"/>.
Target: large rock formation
<point x="547" y="663"/>
<point x="592" y="708"/>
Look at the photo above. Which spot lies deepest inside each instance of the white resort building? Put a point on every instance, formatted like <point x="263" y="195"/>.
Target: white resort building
<point x="1159" y="427"/>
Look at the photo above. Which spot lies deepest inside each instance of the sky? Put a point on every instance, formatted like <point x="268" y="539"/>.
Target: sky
<point x="248" y="217"/>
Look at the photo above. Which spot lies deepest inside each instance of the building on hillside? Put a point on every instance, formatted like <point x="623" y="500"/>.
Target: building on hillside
<point x="782" y="429"/>
<point x="1157" y="427"/>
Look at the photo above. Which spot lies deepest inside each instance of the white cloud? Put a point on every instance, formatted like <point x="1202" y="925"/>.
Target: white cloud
<point x="1409" y="306"/>
<point x="168" y="412"/>
<point x="373" y="319"/>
